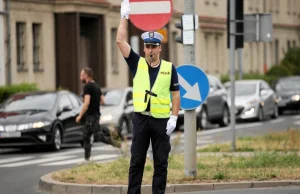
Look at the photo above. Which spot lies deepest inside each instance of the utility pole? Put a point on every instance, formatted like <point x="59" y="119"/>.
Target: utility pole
<point x="240" y="62"/>
<point x="232" y="70"/>
<point x="8" y="42"/>
<point x="2" y="61"/>
<point x="265" y="44"/>
<point x="190" y="134"/>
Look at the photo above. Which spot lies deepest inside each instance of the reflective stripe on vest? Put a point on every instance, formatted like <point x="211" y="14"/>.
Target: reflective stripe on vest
<point x="159" y="105"/>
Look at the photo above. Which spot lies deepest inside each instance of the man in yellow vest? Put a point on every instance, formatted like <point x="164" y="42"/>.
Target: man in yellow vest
<point x="154" y="82"/>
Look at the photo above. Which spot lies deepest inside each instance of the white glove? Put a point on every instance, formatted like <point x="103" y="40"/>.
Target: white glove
<point x="125" y="9"/>
<point x="171" y="124"/>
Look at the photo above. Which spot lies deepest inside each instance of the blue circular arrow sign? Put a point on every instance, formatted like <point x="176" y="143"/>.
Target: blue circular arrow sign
<point x="194" y="86"/>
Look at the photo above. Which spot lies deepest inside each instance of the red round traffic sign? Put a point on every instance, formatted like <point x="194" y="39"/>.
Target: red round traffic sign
<point x="150" y="15"/>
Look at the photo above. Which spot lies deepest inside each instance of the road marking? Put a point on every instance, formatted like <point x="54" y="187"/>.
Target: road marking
<point x="248" y="125"/>
<point x="277" y="121"/>
<point x="297" y="123"/>
<point x="78" y="160"/>
<point x="9" y="160"/>
<point x="77" y="151"/>
<point x="37" y="161"/>
<point x="296" y="117"/>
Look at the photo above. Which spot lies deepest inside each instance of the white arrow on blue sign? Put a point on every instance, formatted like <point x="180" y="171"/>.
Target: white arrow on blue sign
<point x="194" y="86"/>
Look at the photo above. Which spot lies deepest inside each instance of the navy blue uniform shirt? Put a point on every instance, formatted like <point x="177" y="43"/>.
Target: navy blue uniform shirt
<point x="133" y="60"/>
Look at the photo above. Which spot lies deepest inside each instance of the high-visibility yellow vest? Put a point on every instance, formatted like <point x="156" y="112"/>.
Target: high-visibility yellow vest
<point x="159" y="104"/>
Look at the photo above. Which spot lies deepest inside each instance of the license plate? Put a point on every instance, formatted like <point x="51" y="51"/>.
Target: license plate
<point x="10" y="134"/>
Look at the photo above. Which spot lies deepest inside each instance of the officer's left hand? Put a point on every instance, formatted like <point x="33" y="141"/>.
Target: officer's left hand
<point x="171" y="124"/>
<point x="78" y="118"/>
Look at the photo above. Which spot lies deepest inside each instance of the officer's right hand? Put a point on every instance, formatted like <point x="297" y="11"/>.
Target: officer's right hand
<point x="125" y="9"/>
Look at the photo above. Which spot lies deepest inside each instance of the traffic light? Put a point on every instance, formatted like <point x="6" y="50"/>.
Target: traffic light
<point x="179" y="38"/>
<point x="239" y="15"/>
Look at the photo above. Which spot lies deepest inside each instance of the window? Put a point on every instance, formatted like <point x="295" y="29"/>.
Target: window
<point x="36" y="38"/>
<point x="74" y="100"/>
<point x="174" y="48"/>
<point x="276" y="51"/>
<point x="64" y="102"/>
<point x="288" y="45"/>
<point x="20" y="39"/>
<point x="294" y="43"/>
<point x="114" y="52"/>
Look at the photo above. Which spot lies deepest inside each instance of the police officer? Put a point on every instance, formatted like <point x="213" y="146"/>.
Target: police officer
<point x="155" y="80"/>
<point x="90" y="112"/>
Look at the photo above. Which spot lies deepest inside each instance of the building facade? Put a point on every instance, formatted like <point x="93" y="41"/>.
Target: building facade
<point x="51" y="40"/>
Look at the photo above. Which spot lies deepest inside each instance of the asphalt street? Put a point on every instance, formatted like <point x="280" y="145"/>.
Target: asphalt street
<point x="21" y="170"/>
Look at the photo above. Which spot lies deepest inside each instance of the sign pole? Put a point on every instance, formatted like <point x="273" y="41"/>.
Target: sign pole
<point x="190" y="135"/>
<point x="240" y="61"/>
<point x="232" y="71"/>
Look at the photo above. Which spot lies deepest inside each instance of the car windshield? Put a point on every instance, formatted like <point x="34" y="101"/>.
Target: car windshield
<point x="112" y="97"/>
<point x="288" y="85"/>
<point x="34" y="102"/>
<point x="244" y="89"/>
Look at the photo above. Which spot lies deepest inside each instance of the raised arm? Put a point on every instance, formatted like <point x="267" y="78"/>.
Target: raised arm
<point x="122" y="33"/>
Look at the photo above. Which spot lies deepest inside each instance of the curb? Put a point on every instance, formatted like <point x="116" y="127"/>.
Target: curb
<point x="47" y="184"/>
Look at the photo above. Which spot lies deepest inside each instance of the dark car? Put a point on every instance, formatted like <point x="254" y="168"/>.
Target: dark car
<point x="117" y="112"/>
<point x="288" y="92"/>
<point x="214" y="109"/>
<point x="40" y="119"/>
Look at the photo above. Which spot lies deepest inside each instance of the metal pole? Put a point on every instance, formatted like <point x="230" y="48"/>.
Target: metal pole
<point x="190" y="135"/>
<point x="265" y="44"/>
<point x="240" y="61"/>
<point x="8" y="65"/>
<point x="2" y="61"/>
<point x="232" y="70"/>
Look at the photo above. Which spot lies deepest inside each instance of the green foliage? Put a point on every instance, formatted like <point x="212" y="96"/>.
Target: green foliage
<point x="279" y="71"/>
<point x="268" y="78"/>
<point x="292" y="60"/>
<point x="6" y="91"/>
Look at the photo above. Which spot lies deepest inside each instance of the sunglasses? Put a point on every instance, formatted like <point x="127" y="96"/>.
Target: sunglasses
<point x="153" y="46"/>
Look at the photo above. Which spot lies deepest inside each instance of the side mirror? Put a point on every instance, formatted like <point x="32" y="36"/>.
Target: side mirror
<point x="130" y="103"/>
<point x="263" y="92"/>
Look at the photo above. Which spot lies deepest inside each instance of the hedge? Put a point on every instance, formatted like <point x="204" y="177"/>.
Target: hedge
<point x="6" y="91"/>
<point x="267" y="78"/>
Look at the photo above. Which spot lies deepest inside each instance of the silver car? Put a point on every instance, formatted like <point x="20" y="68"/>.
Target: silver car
<point x="118" y="110"/>
<point x="254" y="99"/>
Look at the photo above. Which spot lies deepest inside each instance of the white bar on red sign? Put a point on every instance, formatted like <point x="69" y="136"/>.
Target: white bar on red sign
<point x="150" y="7"/>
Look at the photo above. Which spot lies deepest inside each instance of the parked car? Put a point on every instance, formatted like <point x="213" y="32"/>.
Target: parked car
<point x="40" y="119"/>
<point x="254" y="99"/>
<point x="214" y="109"/>
<point x="117" y="112"/>
<point x="288" y="92"/>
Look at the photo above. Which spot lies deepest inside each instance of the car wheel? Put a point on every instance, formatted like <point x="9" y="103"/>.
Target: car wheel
<point x="280" y="111"/>
<point x="225" y="117"/>
<point x="275" y="114"/>
<point x="57" y="139"/>
<point x="124" y="128"/>
<point x="203" y="119"/>
<point x="260" y="115"/>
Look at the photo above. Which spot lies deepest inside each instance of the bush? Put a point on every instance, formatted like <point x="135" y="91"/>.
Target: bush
<point x="267" y="78"/>
<point x="279" y="71"/>
<point x="292" y="60"/>
<point x="6" y="91"/>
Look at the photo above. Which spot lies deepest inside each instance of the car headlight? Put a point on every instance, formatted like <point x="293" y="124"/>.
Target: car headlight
<point x="106" y="118"/>
<point x="295" y="97"/>
<point x="35" y="125"/>
<point x="1" y="128"/>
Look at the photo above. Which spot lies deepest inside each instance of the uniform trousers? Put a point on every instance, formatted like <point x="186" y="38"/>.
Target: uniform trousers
<point x="146" y="129"/>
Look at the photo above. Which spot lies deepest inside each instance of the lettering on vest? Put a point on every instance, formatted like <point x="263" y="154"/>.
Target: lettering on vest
<point x="165" y="73"/>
